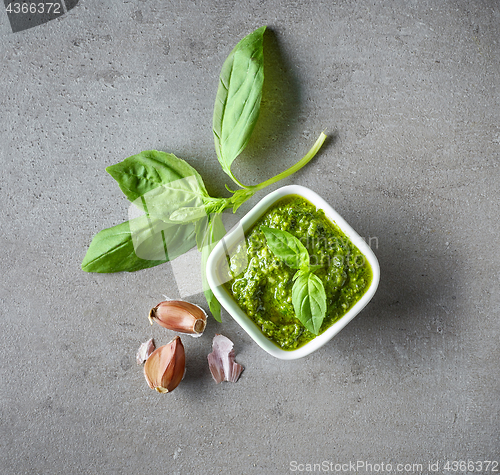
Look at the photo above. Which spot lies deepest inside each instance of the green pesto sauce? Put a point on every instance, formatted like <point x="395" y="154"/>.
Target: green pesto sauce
<point x="264" y="289"/>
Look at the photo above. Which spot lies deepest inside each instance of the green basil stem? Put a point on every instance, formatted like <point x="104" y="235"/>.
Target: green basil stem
<point x="294" y="168"/>
<point x="238" y="182"/>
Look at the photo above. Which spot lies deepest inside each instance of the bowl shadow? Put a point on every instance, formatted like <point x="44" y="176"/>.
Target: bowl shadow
<point x="411" y="320"/>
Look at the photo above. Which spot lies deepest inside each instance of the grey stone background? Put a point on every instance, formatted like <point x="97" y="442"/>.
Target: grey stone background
<point x="408" y="92"/>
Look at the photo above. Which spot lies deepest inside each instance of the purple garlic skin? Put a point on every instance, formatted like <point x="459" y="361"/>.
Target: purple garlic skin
<point x="221" y="360"/>
<point x="145" y="350"/>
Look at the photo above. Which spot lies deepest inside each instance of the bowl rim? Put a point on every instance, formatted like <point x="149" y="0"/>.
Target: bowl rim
<point x="246" y="223"/>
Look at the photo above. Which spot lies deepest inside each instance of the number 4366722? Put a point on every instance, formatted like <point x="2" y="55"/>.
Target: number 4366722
<point x="34" y="7"/>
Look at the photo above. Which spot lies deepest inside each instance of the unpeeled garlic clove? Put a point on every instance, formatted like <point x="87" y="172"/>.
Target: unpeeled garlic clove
<point x="164" y="369"/>
<point x="180" y="316"/>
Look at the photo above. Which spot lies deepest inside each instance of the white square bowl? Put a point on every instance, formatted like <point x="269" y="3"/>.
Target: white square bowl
<point x="217" y="261"/>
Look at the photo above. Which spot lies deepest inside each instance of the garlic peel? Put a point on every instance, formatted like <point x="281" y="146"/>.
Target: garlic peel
<point x="165" y="367"/>
<point x="145" y="351"/>
<point x="180" y="316"/>
<point x="221" y="360"/>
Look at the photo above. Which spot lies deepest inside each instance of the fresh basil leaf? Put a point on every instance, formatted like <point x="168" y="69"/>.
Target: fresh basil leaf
<point x="213" y="304"/>
<point x="149" y="235"/>
<point x="195" y="213"/>
<point x="112" y="250"/>
<point x="309" y="300"/>
<point x="299" y="273"/>
<point x="141" y="173"/>
<point x="201" y="228"/>
<point x="237" y="103"/>
<point x="286" y="247"/>
<point x="186" y="215"/>
<point x="165" y="200"/>
<point x="133" y="245"/>
<point x="215" y="231"/>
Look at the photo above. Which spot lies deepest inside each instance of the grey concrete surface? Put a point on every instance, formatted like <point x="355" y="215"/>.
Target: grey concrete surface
<point x="408" y="92"/>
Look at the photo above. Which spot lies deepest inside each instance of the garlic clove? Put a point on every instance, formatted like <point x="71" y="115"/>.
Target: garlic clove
<point x="164" y="369"/>
<point x="180" y="316"/>
<point x="221" y="360"/>
<point x="145" y="350"/>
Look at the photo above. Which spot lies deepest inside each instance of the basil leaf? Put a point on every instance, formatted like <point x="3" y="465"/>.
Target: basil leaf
<point x="133" y="245"/>
<point x="237" y="103"/>
<point x="201" y="228"/>
<point x="164" y="201"/>
<point x="155" y="239"/>
<point x="141" y="173"/>
<point x="309" y="300"/>
<point x="299" y="273"/>
<point x="195" y="213"/>
<point x="286" y="247"/>
<point x="112" y="250"/>
<point x="214" y="232"/>
<point x="185" y="214"/>
<point x="213" y="304"/>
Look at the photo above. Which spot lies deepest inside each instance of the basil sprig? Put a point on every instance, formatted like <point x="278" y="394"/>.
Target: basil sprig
<point x="308" y="292"/>
<point x="178" y="211"/>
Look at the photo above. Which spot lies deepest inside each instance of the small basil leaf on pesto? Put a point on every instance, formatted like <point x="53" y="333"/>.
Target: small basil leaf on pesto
<point x="286" y="247"/>
<point x="299" y="273"/>
<point x="309" y="300"/>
